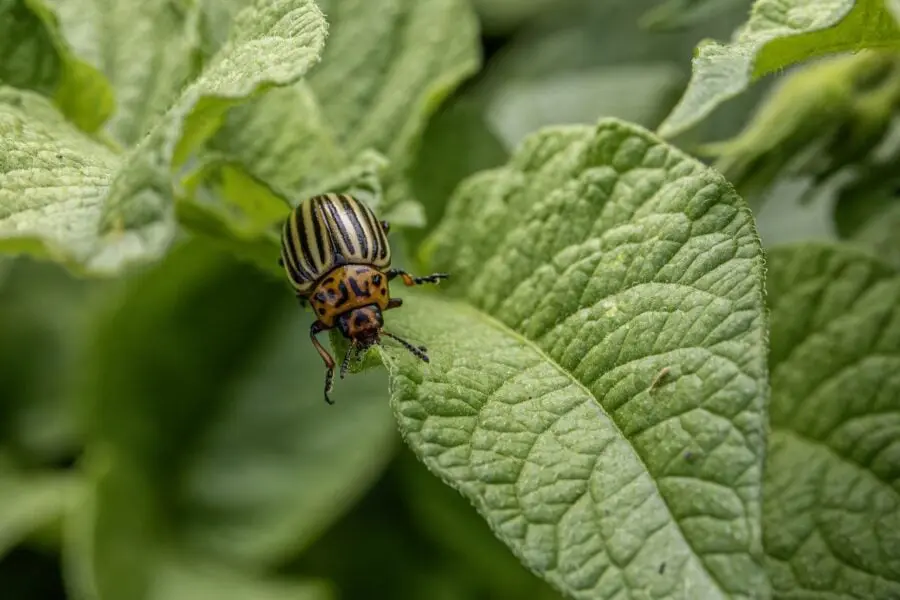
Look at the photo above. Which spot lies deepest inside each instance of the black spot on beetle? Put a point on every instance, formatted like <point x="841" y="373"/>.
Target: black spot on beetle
<point x="360" y="319"/>
<point x="383" y="291"/>
<point x="354" y="285"/>
<point x="376" y="279"/>
<point x="321" y="311"/>
<point x="345" y="294"/>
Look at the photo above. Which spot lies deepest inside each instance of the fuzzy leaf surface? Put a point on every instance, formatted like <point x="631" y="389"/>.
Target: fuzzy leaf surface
<point x="53" y="180"/>
<point x="386" y="67"/>
<point x="147" y="49"/>
<point x="597" y="380"/>
<point x="73" y="199"/>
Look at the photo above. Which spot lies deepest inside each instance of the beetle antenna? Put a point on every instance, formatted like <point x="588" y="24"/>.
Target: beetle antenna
<point x="346" y="364"/>
<point x="418" y="351"/>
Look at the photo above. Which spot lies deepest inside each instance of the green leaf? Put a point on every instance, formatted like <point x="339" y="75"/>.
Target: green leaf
<point x="388" y="65"/>
<point x="282" y="138"/>
<point x="597" y="384"/>
<point x="111" y="212"/>
<point x="506" y="16"/>
<point x="675" y="14"/>
<point x="778" y="34"/>
<point x="820" y="120"/>
<point x="385" y="69"/>
<point x="216" y="17"/>
<point x="445" y="517"/>
<point x="53" y="181"/>
<point x="194" y="581"/>
<point x="147" y="49"/>
<point x="44" y="317"/>
<point x="637" y="93"/>
<point x="30" y="501"/>
<point x="267" y="480"/>
<point x="600" y="39"/>
<point x="36" y="57"/>
<point x="894" y="7"/>
<point x="456" y="143"/>
<point x="867" y="211"/>
<point x="209" y="435"/>
<point x="831" y="510"/>
<point x="271" y="44"/>
<point x="243" y="213"/>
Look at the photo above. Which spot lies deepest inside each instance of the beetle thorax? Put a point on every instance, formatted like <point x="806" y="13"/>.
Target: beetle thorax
<point x="348" y="288"/>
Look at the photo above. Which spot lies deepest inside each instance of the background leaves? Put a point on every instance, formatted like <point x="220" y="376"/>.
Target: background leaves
<point x="122" y="210"/>
<point x="150" y="448"/>
<point x="777" y="35"/>
<point x="832" y="450"/>
<point x="211" y="489"/>
<point x="37" y="57"/>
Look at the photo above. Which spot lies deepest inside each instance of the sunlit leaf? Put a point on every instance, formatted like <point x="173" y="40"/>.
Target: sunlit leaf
<point x="72" y="199"/>
<point x="597" y="384"/>
<point x="385" y="69"/>
<point x="147" y="48"/>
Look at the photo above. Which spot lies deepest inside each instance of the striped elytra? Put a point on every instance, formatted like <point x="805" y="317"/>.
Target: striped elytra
<point x="325" y="231"/>
<point x="336" y="255"/>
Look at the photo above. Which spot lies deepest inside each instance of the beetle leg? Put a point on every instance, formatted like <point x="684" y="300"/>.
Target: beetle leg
<point x="410" y="280"/>
<point x="346" y="364"/>
<point x="319" y="327"/>
<point x="394" y="303"/>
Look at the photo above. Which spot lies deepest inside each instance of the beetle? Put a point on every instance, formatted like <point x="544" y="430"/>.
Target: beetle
<point x="337" y="258"/>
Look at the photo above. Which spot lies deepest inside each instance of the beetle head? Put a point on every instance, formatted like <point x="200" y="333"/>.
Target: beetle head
<point x="362" y="325"/>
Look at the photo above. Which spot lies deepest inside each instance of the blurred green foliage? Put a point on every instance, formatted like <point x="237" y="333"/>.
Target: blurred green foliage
<point x="162" y="429"/>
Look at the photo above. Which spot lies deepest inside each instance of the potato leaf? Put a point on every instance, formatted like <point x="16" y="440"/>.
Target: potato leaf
<point x="147" y="48"/>
<point x="37" y="57"/>
<point x="778" y="34"/>
<point x="832" y="508"/>
<point x="385" y="69"/>
<point x="597" y="384"/>
<point x="73" y="199"/>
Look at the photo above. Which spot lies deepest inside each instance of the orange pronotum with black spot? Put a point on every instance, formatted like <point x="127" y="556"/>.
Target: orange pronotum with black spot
<point x="337" y="257"/>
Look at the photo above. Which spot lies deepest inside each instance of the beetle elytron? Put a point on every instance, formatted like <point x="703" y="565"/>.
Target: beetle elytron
<point x="337" y="257"/>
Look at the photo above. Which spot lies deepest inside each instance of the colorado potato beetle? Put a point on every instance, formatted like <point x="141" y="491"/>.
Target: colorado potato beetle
<point x="337" y="258"/>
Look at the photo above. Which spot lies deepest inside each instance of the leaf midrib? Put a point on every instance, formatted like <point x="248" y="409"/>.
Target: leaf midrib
<point x="498" y="325"/>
